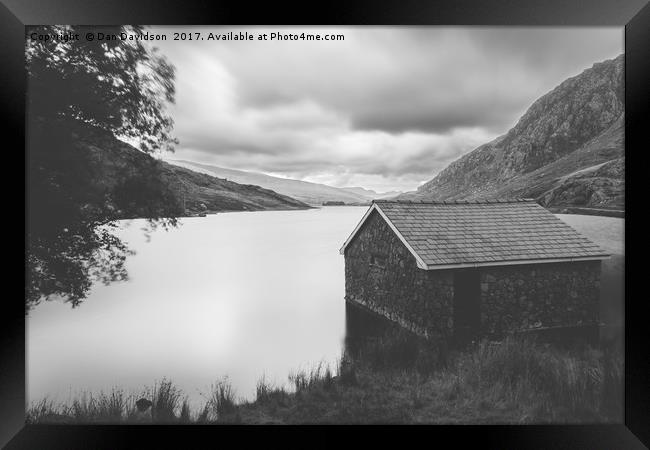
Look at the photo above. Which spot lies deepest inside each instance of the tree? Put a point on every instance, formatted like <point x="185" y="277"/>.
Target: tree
<point x="82" y="95"/>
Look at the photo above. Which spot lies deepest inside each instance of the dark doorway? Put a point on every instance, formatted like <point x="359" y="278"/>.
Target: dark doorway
<point x="467" y="305"/>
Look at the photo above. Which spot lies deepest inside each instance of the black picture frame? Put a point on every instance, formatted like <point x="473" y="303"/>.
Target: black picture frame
<point x="634" y="15"/>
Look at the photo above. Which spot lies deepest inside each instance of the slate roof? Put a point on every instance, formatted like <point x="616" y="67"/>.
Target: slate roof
<point x="484" y="233"/>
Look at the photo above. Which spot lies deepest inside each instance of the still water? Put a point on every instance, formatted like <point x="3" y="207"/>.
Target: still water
<point x="242" y="295"/>
<point x="235" y="294"/>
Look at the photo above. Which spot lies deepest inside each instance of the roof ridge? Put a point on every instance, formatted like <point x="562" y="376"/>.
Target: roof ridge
<point x="480" y="235"/>
<point x="456" y="202"/>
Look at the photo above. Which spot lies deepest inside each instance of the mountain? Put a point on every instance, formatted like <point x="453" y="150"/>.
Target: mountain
<point x="566" y="150"/>
<point x="311" y="193"/>
<point x="119" y="170"/>
<point x="370" y="194"/>
<point x="223" y="195"/>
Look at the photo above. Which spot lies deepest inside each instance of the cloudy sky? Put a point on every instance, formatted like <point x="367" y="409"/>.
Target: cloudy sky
<point x="386" y="109"/>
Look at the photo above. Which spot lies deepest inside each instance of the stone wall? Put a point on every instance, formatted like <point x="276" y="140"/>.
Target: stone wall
<point x="382" y="275"/>
<point x="524" y="297"/>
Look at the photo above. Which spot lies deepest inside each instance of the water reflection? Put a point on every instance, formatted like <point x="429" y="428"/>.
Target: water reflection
<point x="242" y="295"/>
<point x="361" y="327"/>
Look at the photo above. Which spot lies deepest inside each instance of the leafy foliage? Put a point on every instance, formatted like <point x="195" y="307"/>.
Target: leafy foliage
<point x="82" y="95"/>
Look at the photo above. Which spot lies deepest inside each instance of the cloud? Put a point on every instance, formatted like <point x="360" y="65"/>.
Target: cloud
<point x="387" y="106"/>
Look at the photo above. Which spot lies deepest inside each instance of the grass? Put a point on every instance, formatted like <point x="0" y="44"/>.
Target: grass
<point x="303" y="381"/>
<point x="114" y="407"/>
<point x="221" y="405"/>
<point x="544" y="384"/>
<point x="396" y="379"/>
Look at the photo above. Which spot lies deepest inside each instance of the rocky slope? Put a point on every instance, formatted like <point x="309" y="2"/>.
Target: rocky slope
<point x="120" y="170"/>
<point x="566" y="150"/>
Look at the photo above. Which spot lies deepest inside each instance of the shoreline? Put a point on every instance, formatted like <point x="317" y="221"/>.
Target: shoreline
<point x="572" y="210"/>
<point x="512" y="382"/>
<point x="205" y="213"/>
<point x="584" y="211"/>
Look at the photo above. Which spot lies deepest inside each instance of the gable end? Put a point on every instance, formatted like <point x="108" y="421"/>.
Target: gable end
<point x="420" y="263"/>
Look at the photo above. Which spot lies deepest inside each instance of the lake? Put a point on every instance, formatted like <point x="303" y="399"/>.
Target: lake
<point x="242" y="295"/>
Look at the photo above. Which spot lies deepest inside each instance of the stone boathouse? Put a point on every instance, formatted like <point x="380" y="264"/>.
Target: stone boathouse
<point x="462" y="270"/>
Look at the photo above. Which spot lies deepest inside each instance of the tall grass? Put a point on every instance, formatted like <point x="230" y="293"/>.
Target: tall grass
<point x="185" y="415"/>
<point x="88" y="407"/>
<point x="115" y="406"/>
<point x="221" y="405"/>
<point x="45" y="410"/>
<point x="263" y="390"/>
<point x="562" y="385"/>
<point x="392" y="380"/>
<point x="270" y="396"/>
<point x="166" y="401"/>
<point x="319" y="375"/>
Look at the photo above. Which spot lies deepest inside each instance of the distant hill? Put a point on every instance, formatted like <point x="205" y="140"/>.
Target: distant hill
<point x="370" y="194"/>
<point x="118" y="167"/>
<point x="310" y="193"/>
<point x="566" y="150"/>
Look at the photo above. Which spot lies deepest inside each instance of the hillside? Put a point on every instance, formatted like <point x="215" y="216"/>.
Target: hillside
<point x="311" y="193"/>
<point x="370" y="194"/>
<point x="566" y="150"/>
<point x="123" y="171"/>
